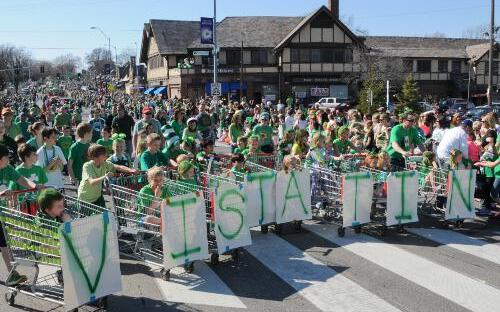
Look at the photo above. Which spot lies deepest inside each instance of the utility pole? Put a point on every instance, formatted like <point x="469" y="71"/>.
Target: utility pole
<point x="241" y="70"/>
<point x="216" y="53"/>
<point x="387" y="95"/>
<point x="492" y="44"/>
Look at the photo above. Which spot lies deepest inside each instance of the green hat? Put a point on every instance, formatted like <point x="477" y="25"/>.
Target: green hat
<point x="47" y="197"/>
<point x="184" y="166"/>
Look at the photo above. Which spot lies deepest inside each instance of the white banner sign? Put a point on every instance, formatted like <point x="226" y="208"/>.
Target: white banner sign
<point x="402" y="198"/>
<point x="184" y="230"/>
<point x="260" y="191"/>
<point x="90" y="260"/>
<point x="231" y="228"/>
<point x="460" y="203"/>
<point x="293" y="196"/>
<point x="357" y="196"/>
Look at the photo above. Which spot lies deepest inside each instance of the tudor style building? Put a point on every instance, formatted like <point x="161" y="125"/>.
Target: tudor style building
<point x="310" y="57"/>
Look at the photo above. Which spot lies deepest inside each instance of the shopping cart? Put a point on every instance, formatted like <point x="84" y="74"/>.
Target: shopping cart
<point x="349" y="164"/>
<point x="34" y="242"/>
<point x="271" y="161"/>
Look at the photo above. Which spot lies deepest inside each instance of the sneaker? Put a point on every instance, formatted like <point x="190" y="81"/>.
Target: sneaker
<point x="15" y="279"/>
<point x="483" y="212"/>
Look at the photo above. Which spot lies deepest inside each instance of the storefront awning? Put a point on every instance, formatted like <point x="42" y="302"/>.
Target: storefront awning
<point x="227" y="87"/>
<point x="160" y="90"/>
<point x="149" y="91"/>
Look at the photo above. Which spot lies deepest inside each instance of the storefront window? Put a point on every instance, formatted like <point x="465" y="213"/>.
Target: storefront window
<point x="315" y="56"/>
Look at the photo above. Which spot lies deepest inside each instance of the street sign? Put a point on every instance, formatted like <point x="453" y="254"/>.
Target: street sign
<point x="216" y="90"/>
<point x="201" y="53"/>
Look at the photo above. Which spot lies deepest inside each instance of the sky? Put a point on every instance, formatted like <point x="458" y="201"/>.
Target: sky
<point x="48" y="28"/>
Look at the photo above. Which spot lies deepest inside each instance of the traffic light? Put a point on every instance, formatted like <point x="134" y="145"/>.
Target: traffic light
<point x="107" y="69"/>
<point x="58" y="76"/>
<point x="79" y="76"/>
<point x="42" y="69"/>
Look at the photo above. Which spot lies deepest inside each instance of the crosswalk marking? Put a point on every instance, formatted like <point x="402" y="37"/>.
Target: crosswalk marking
<point x="454" y="286"/>
<point x="315" y="281"/>
<point x="202" y="287"/>
<point x="473" y="246"/>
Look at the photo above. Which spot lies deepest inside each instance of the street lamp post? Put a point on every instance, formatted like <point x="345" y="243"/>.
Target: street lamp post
<point x="107" y="38"/>
<point x="216" y="54"/>
<point x="492" y="44"/>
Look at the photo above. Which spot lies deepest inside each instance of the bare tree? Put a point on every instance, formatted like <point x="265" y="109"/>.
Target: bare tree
<point x="66" y="64"/>
<point x="436" y="34"/>
<point x="478" y="32"/>
<point x="98" y="58"/>
<point x="349" y="22"/>
<point x="15" y="65"/>
<point x="124" y="56"/>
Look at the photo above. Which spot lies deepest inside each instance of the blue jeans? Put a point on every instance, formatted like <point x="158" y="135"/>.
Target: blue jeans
<point x="495" y="190"/>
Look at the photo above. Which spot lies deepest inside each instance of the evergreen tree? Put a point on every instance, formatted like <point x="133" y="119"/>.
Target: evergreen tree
<point x="377" y="88"/>
<point x="408" y="96"/>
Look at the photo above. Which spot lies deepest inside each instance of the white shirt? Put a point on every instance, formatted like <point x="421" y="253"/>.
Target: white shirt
<point x="455" y="138"/>
<point x="289" y="122"/>
<point x="45" y="156"/>
<point x="437" y="134"/>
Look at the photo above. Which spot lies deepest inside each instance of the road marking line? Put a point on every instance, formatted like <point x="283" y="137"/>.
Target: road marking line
<point x="447" y="283"/>
<point x="202" y="287"/>
<point x="313" y="280"/>
<point x="464" y="243"/>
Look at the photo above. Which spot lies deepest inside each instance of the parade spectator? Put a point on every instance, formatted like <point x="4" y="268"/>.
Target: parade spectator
<point x="402" y="142"/>
<point x="454" y="139"/>
<point x="78" y="152"/>
<point x="124" y="124"/>
<point x="147" y="119"/>
<point x="51" y="159"/>
<point x="11" y="128"/>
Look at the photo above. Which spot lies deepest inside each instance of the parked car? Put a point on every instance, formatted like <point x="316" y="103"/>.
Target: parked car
<point x="426" y="106"/>
<point x="455" y="105"/>
<point x="478" y="112"/>
<point x="329" y="103"/>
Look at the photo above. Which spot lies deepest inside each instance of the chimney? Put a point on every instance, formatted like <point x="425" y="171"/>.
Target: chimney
<point x="333" y="6"/>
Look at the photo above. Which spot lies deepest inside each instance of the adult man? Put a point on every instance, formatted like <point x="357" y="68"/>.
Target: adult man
<point x="97" y="123"/>
<point x="147" y="118"/>
<point x="11" y="129"/>
<point x="454" y="139"/>
<point x="124" y="123"/>
<point x="204" y="123"/>
<point x="404" y="138"/>
<point x="62" y="118"/>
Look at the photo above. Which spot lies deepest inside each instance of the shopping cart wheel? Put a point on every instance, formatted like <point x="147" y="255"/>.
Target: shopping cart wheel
<point x="341" y="231"/>
<point x="214" y="259"/>
<point x="10" y="298"/>
<point x="235" y="255"/>
<point x="165" y="274"/>
<point x="383" y="231"/>
<point x="278" y="229"/>
<point x="297" y="226"/>
<point x="357" y="229"/>
<point x="189" y="268"/>
<point x="264" y="229"/>
<point x="102" y="303"/>
<point x="401" y="229"/>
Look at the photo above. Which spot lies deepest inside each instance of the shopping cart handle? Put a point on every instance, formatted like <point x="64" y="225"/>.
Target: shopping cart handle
<point x="21" y="192"/>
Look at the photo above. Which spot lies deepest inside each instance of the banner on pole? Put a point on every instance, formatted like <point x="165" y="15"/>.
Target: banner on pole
<point x="231" y="227"/>
<point x="184" y="230"/>
<point x="260" y="191"/>
<point x="90" y="260"/>
<point x="357" y="196"/>
<point x="293" y="196"/>
<point x="207" y="30"/>
<point x="402" y="198"/>
<point x="460" y="203"/>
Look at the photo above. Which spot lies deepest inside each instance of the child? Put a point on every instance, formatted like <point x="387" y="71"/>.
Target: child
<point x="299" y="147"/>
<point x="105" y="140"/>
<point x="148" y="205"/>
<point x="428" y="170"/>
<point x="238" y="168"/>
<point x="241" y="148"/>
<point x="93" y="174"/>
<point x="51" y="159"/>
<point x="285" y="144"/>
<point x="185" y="169"/>
<point x="253" y="146"/>
<point x="342" y="145"/>
<point x="119" y="156"/>
<point x="152" y="156"/>
<point x="8" y="174"/>
<point x="190" y="131"/>
<point x="456" y="160"/>
<point x="51" y="208"/>
<point x="78" y="152"/>
<point x="36" y="139"/>
<point x="317" y="154"/>
<point x="291" y="163"/>
<point x="65" y="141"/>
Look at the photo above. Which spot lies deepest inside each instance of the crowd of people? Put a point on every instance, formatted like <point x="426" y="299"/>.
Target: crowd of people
<point x="43" y="139"/>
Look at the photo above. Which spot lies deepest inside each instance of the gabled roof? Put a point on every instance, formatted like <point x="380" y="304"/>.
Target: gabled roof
<point x="309" y="18"/>
<point x="254" y="31"/>
<point x="420" y="47"/>
<point x="476" y="52"/>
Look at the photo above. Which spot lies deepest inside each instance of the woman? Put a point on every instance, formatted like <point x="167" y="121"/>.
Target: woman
<point x="235" y="130"/>
<point x="9" y="143"/>
<point x="178" y="123"/>
<point x="36" y="139"/>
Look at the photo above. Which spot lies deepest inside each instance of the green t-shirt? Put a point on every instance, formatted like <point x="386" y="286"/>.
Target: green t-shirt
<point x="149" y="160"/>
<point x="265" y="133"/>
<point x="8" y="175"/>
<point x="23" y="125"/>
<point x="189" y="134"/>
<point x="234" y="133"/>
<point x="91" y="193"/>
<point x="404" y="137"/>
<point x="496" y="171"/>
<point x="78" y="155"/>
<point x="62" y="120"/>
<point x="145" y="198"/>
<point x="35" y="174"/>
<point x="342" y="146"/>
<point x="108" y="144"/>
<point x="178" y="127"/>
<point x="65" y="142"/>
<point x="14" y="130"/>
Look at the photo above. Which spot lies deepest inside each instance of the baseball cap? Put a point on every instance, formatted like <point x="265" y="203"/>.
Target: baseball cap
<point x="467" y="123"/>
<point x="147" y="109"/>
<point x="265" y="116"/>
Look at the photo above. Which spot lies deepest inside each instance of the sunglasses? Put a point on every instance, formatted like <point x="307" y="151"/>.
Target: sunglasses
<point x="410" y="120"/>
<point x="148" y="113"/>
